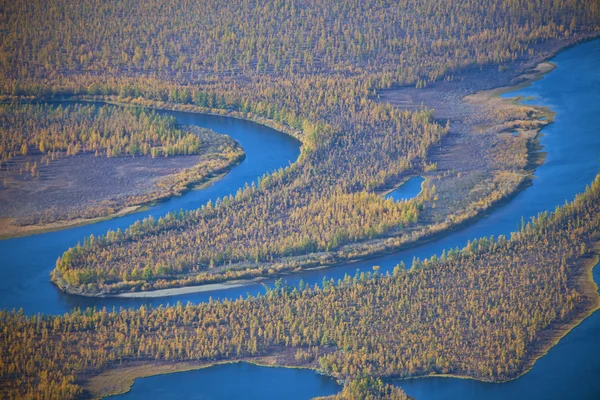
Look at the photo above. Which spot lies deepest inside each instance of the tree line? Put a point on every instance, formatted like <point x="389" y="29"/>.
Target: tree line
<point x="57" y="130"/>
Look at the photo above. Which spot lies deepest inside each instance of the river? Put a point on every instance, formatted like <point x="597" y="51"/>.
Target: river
<point x="572" y="144"/>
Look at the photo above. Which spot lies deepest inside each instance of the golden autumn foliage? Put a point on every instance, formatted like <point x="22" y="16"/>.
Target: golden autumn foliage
<point x="483" y="312"/>
<point x="56" y="131"/>
<point x="368" y="389"/>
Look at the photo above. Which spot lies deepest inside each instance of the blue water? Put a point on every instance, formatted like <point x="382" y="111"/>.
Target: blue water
<point x="408" y="190"/>
<point x="235" y="381"/>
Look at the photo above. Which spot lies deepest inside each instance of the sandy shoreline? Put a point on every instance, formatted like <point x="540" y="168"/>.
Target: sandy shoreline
<point x="186" y="289"/>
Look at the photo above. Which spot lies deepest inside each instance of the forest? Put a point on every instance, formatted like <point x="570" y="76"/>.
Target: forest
<point x="55" y="131"/>
<point x="314" y="70"/>
<point x="486" y="311"/>
<point x="310" y="67"/>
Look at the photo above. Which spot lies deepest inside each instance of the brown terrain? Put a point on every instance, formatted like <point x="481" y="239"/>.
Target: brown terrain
<point x="83" y="188"/>
<point x="491" y="149"/>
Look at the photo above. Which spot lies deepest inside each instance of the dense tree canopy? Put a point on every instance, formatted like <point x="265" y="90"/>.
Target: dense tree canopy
<point x="407" y="39"/>
<point x="105" y="130"/>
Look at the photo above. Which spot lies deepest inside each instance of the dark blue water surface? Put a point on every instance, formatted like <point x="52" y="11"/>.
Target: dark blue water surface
<point x="408" y="190"/>
<point x="572" y="144"/>
<point x="234" y="381"/>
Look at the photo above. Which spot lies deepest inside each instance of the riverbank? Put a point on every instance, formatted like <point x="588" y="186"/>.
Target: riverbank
<point x="163" y="106"/>
<point x="9" y="229"/>
<point x="116" y="381"/>
<point x="187" y="289"/>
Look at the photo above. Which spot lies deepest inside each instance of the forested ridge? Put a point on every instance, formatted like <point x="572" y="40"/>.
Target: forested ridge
<point x="311" y="67"/>
<point x="54" y="131"/>
<point x="485" y="311"/>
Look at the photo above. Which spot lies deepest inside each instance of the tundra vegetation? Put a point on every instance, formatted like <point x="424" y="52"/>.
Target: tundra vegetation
<point x="312" y="69"/>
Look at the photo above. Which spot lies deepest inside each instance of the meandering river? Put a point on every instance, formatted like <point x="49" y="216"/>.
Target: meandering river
<point x="26" y="262"/>
<point x="572" y="144"/>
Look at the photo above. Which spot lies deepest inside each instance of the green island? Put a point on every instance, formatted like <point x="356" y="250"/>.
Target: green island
<point x="376" y="91"/>
<point x="38" y="194"/>
<point x="487" y="312"/>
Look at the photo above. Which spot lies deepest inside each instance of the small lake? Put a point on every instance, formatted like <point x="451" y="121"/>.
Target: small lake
<point x="408" y="190"/>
